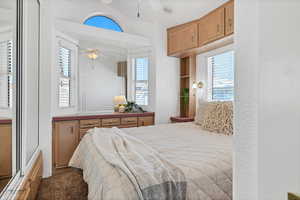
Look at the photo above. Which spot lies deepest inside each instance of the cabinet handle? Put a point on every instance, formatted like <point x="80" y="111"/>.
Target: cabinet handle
<point x="230" y="22"/>
<point x="218" y="28"/>
<point x="72" y="130"/>
<point x="192" y="38"/>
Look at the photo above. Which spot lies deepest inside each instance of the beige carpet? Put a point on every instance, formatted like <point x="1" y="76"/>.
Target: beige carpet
<point x="3" y="183"/>
<point x="66" y="184"/>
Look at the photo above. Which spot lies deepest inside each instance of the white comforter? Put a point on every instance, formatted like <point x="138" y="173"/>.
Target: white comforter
<point x="204" y="158"/>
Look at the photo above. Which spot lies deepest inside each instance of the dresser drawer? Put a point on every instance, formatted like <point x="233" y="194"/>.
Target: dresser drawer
<point x="110" y="122"/>
<point x="145" y="121"/>
<point x="128" y="126"/>
<point x="129" y="120"/>
<point x="82" y="132"/>
<point x="90" y="123"/>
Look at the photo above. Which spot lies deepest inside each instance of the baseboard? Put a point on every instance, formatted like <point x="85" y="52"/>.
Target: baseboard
<point x="29" y="187"/>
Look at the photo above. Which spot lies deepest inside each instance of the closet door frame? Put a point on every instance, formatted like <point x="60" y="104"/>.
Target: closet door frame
<point x="12" y="186"/>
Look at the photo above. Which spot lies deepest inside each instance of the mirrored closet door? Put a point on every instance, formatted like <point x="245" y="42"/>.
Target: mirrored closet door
<point x="8" y="137"/>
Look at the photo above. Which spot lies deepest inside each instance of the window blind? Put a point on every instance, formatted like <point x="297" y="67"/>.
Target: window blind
<point x="222" y="76"/>
<point x="142" y="81"/>
<point x="65" y="77"/>
<point x="6" y="76"/>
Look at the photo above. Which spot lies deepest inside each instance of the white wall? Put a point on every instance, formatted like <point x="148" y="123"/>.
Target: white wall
<point x="267" y="141"/>
<point x="30" y="98"/>
<point x="164" y="70"/>
<point x="164" y="73"/>
<point x="279" y="105"/>
<point x="99" y="83"/>
<point x="46" y="62"/>
<point x="167" y="79"/>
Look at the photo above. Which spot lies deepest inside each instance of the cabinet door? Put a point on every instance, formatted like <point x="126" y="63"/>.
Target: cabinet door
<point x="173" y="42"/>
<point x="229" y="18"/>
<point x="66" y="141"/>
<point x="182" y="38"/>
<point x="5" y="150"/>
<point x="211" y="27"/>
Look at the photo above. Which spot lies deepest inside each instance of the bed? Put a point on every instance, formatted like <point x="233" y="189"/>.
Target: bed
<point x="203" y="158"/>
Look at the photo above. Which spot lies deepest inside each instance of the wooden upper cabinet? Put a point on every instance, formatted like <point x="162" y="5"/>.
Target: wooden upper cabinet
<point x="66" y="141"/>
<point x="182" y="38"/>
<point x="229" y="18"/>
<point x="192" y="35"/>
<point x="211" y="27"/>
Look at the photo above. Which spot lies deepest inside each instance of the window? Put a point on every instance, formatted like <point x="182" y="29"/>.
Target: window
<point x="141" y="86"/>
<point x="6" y="76"/>
<point x="66" y="74"/>
<point x="221" y="77"/>
<point x="103" y="22"/>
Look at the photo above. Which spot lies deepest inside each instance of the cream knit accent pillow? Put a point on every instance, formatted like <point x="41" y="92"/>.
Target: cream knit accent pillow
<point x="216" y="117"/>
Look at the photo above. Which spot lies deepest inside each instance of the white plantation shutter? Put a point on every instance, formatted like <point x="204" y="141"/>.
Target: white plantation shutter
<point x="65" y="77"/>
<point x="6" y="70"/>
<point x="221" y="68"/>
<point x="141" y="81"/>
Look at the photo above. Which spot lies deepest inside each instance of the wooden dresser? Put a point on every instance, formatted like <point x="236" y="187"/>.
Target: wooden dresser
<point x="69" y="130"/>
<point x="5" y="149"/>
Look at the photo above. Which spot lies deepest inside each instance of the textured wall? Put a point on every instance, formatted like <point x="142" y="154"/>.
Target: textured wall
<point x="267" y="140"/>
<point x="246" y="96"/>
<point x="279" y="105"/>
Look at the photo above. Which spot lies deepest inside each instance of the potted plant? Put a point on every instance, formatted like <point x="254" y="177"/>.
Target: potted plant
<point x="132" y="107"/>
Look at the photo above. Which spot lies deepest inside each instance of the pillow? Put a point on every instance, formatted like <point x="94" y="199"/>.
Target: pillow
<point x="203" y="108"/>
<point x="216" y="117"/>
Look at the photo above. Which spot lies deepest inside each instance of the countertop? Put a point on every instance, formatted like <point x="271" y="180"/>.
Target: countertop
<point x="81" y="116"/>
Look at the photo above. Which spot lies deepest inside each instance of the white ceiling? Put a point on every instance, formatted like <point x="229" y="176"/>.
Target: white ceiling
<point x="182" y="10"/>
<point x="151" y="10"/>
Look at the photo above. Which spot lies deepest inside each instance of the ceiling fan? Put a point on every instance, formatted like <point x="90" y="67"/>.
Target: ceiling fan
<point x="155" y="4"/>
<point x="92" y="54"/>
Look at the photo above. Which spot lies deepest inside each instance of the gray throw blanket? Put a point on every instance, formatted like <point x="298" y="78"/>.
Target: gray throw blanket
<point x="153" y="177"/>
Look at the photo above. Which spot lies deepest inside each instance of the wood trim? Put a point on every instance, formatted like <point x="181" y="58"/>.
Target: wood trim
<point x="209" y="47"/>
<point x="181" y="119"/>
<point x="104" y="116"/>
<point x="192" y="94"/>
<point x="29" y="187"/>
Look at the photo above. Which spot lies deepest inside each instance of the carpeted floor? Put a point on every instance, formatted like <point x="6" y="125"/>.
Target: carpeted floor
<point x="65" y="184"/>
<point x="3" y="183"/>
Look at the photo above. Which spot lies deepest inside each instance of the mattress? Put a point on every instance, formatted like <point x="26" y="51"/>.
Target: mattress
<point x="205" y="159"/>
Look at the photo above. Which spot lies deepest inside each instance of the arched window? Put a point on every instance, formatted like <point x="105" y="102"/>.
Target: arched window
<point x="103" y="22"/>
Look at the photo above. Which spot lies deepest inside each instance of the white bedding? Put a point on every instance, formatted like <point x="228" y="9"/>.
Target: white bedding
<point x="204" y="158"/>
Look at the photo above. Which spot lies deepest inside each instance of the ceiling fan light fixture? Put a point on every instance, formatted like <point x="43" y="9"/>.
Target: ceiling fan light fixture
<point x="93" y="54"/>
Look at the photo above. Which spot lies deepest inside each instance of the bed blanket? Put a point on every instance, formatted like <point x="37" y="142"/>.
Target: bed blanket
<point x="152" y="176"/>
